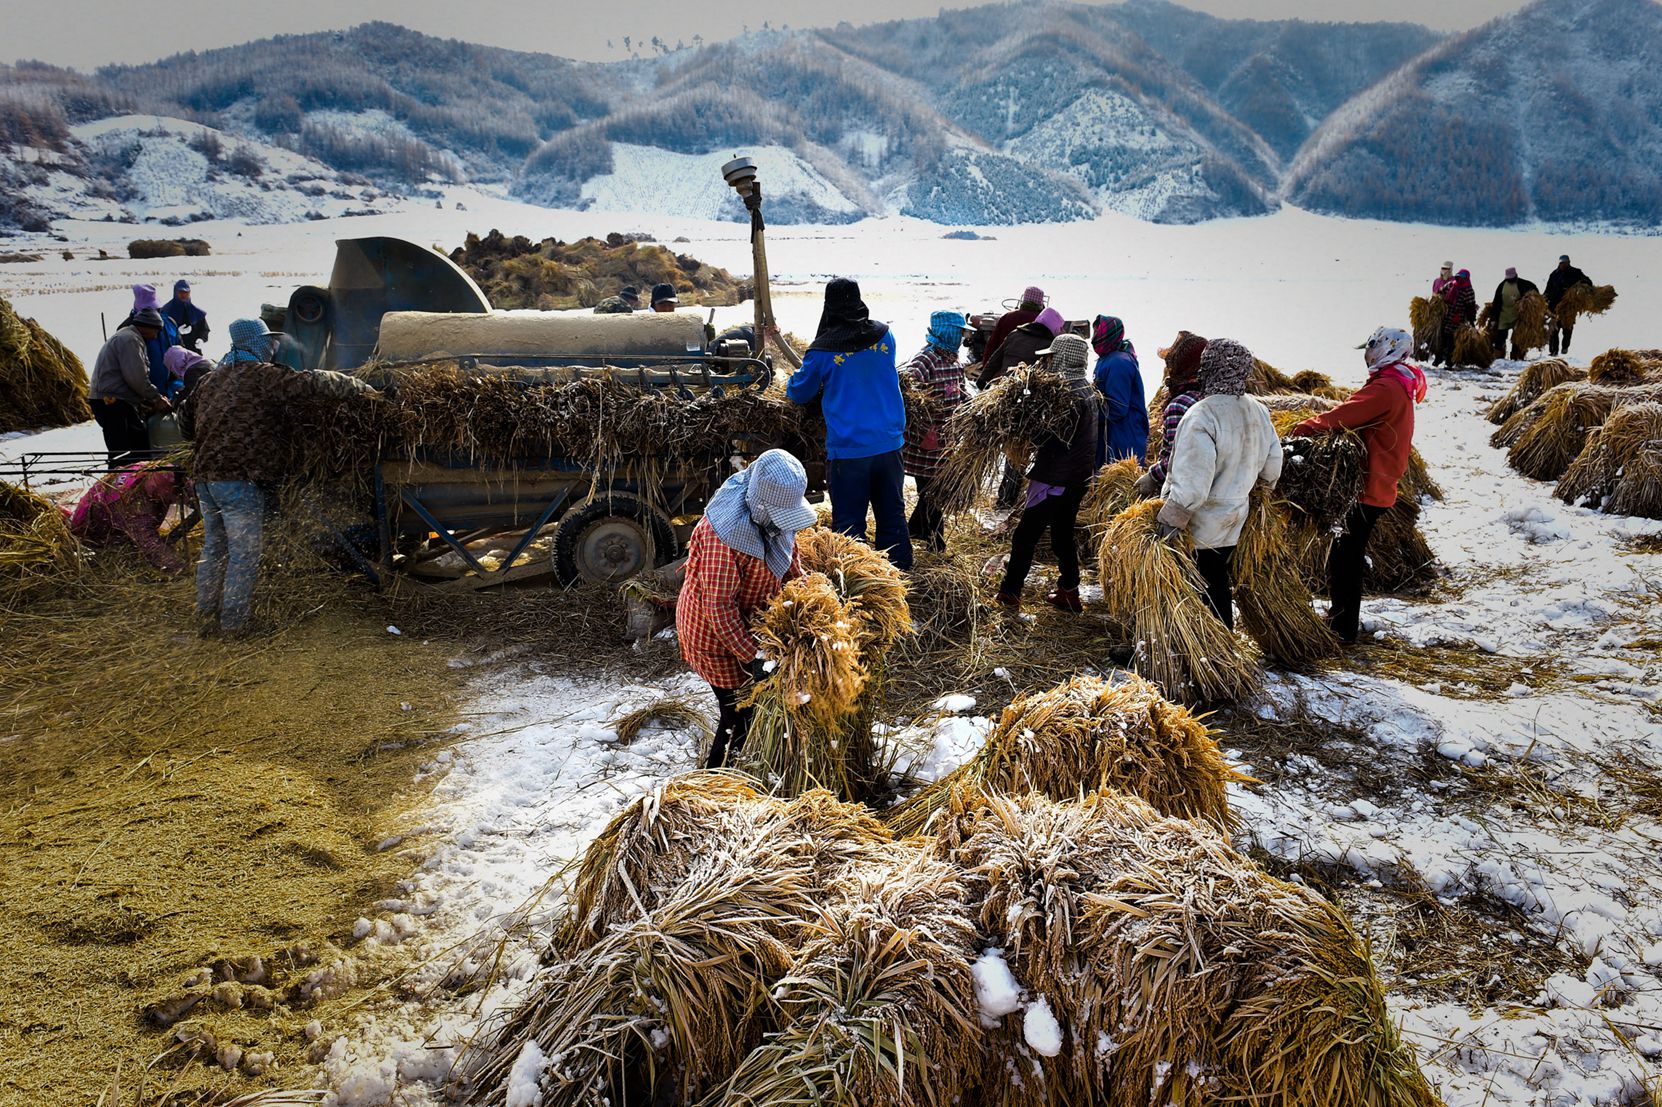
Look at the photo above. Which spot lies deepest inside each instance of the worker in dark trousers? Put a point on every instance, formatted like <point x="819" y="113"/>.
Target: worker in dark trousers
<point x="121" y="392"/>
<point x="1564" y="278"/>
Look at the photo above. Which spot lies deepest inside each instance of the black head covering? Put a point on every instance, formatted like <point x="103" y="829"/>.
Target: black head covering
<point x="846" y="324"/>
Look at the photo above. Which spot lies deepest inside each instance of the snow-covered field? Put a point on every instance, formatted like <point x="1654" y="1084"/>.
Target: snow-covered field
<point x="1506" y="794"/>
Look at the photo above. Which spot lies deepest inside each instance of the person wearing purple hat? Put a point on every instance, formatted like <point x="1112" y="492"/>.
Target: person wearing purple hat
<point x="156" y="348"/>
<point x="1031" y="304"/>
<point x="1503" y="312"/>
<point x="190" y="321"/>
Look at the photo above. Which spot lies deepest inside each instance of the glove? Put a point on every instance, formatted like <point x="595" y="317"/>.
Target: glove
<point x="757" y="670"/>
<point x="1166" y="532"/>
<point x="1146" y="486"/>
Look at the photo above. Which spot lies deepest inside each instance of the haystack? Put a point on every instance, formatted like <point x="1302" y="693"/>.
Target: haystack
<point x="1177" y="971"/>
<point x="1530" y="331"/>
<point x="552" y="275"/>
<point x="1004" y="421"/>
<point x="1620" y="469"/>
<point x="42" y="384"/>
<point x="1548" y="435"/>
<point x="1617" y="369"/>
<point x="1152" y="587"/>
<point x="1536" y="378"/>
<point x="1276" y="607"/>
<point x="1472" y="347"/>
<point x="1584" y="299"/>
<point x="1085" y="736"/>
<point x="1399" y="558"/>
<point x="35" y="544"/>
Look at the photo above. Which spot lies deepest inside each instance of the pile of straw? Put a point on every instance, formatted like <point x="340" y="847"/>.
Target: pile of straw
<point x="1426" y="315"/>
<point x="1536" y="378"/>
<point x="1584" y="299"/>
<point x="1214" y="982"/>
<point x="35" y="544"/>
<point x="1530" y="331"/>
<point x="1473" y="348"/>
<point x="1152" y="588"/>
<point x="1086" y="736"/>
<point x="42" y="384"/>
<point x="1617" y="369"/>
<point x="1004" y="421"/>
<point x="1111" y="491"/>
<point x="552" y="275"/>
<point x="1544" y="438"/>
<point x="1620" y="469"/>
<point x="867" y="580"/>
<point x="1276" y="606"/>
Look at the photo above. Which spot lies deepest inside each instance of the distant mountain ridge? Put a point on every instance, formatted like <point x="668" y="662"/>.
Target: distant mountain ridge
<point x="1002" y="114"/>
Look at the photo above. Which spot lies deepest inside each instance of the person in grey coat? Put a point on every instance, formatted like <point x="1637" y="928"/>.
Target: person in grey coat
<point x="121" y="392"/>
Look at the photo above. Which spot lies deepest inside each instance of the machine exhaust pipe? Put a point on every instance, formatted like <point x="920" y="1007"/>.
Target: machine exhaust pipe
<point x="740" y="174"/>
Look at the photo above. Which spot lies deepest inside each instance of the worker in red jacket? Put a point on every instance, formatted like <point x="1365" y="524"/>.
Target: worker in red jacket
<point x="1382" y="412"/>
<point x="740" y="554"/>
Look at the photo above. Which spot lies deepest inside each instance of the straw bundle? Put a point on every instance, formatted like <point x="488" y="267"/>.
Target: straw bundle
<point x="1536" y="378"/>
<point x="1584" y="299"/>
<point x="1004" y="421"/>
<point x="1620" y="469"/>
<point x="1530" y="331"/>
<point x="552" y="275"/>
<point x="42" y="384"/>
<point x="1180" y="972"/>
<point x="873" y="587"/>
<point x="1426" y="316"/>
<point x="1320" y="476"/>
<point x="1399" y="557"/>
<point x="1472" y="347"/>
<point x="879" y="1009"/>
<point x="1616" y="368"/>
<point x="1266" y="378"/>
<point x="1111" y="491"/>
<point x="1548" y="435"/>
<point x="1086" y="736"/>
<point x="1276" y="606"/>
<point x="1152" y="587"/>
<point x="35" y="543"/>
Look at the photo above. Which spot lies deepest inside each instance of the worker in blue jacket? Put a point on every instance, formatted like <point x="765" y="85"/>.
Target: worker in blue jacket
<point x="851" y="367"/>
<point x="1122" y="430"/>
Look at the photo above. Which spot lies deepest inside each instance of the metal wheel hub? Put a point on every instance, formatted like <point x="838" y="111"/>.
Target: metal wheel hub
<point x="614" y="548"/>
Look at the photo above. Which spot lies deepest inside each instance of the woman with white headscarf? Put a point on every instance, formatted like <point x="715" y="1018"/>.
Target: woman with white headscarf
<point x="741" y="553"/>
<point x="1382" y="412"/>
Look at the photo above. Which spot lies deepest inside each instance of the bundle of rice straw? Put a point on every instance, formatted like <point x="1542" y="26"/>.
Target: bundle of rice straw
<point x="1532" y="382"/>
<point x="1004" y="421"/>
<point x="873" y="587"/>
<point x="1266" y="378"/>
<point x="1473" y="348"/>
<point x="1584" y="299"/>
<point x="1085" y="736"/>
<point x="1211" y="981"/>
<point x="1619" y="471"/>
<point x="812" y="727"/>
<point x="1399" y="558"/>
<point x="1320" y="476"/>
<point x="1545" y="437"/>
<point x="1153" y="588"/>
<point x="1426" y="315"/>
<point x="1276" y="608"/>
<point x="1530" y="331"/>
<point x="879" y="1008"/>
<point x="1617" y="368"/>
<point x="1110" y="493"/>
<point x="35" y="543"/>
<point x="42" y="384"/>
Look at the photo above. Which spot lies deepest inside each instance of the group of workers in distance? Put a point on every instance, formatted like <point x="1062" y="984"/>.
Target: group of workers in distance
<point x="1218" y="444"/>
<point x="1455" y="290"/>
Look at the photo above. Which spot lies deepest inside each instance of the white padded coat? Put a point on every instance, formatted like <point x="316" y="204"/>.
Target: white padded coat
<point x="1225" y="445"/>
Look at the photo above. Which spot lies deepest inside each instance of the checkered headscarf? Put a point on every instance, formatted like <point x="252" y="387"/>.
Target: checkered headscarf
<point x="250" y="341"/>
<point x="758" y="511"/>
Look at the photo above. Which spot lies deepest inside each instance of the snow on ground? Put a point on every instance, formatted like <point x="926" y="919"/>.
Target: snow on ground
<point x="1446" y="788"/>
<point x="649" y="179"/>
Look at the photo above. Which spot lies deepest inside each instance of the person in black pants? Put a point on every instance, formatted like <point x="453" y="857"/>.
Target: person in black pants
<point x="1346" y="564"/>
<point x="1219" y="594"/>
<point x="1062" y="469"/>
<point x="121" y="391"/>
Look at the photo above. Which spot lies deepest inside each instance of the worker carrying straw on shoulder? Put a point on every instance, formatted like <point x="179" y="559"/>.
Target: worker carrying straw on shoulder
<point x="1382" y="412"/>
<point x="938" y="371"/>
<point x="740" y="554"/>
<point x="1225" y="446"/>
<point x="1183" y="391"/>
<point x="1063" y="464"/>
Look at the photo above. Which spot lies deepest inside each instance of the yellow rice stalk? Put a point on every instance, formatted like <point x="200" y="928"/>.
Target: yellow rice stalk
<point x="1585" y="299"/>
<point x="1266" y="378"/>
<point x="1153" y="588"/>
<point x="1110" y="493"/>
<point x="1616" y="369"/>
<point x="35" y="543"/>
<point x="865" y="578"/>
<point x="1426" y="315"/>
<point x="1085" y="736"/>
<point x="1620" y="469"/>
<point x="1536" y="378"/>
<point x="1417" y="483"/>
<point x="1530" y="331"/>
<point x="1213" y="981"/>
<point x="1276" y="608"/>
<point x="1473" y="348"/>
<point x="1003" y="422"/>
<point x="1555" y="427"/>
<point x="42" y="384"/>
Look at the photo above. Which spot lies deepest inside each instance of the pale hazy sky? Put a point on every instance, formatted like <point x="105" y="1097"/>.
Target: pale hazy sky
<point x="89" y="33"/>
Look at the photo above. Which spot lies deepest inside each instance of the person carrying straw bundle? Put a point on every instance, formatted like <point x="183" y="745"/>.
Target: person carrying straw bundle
<point x="850" y="367"/>
<point x="938" y="371"/>
<point x="1563" y="278"/>
<point x="1062" y="469"/>
<point x="740" y="555"/>
<point x="1123" y="429"/>
<point x="1225" y="447"/>
<point x="1020" y="348"/>
<point x="1382" y="412"/>
<point x="1183" y="391"/>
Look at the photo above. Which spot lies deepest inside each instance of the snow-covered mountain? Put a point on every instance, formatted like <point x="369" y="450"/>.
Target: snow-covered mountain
<point x="1002" y="114"/>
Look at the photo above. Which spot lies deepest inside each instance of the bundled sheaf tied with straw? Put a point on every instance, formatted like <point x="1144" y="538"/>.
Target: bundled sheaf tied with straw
<point x="1004" y="421"/>
<point x="1179" y="972"/>
<point x="1617" y="369"/>
<point x="1584" y="299"/>
<point x="1426" y="316"/>
<point x="1085" y="736"/>
<point x="35" y="544"/>
<point x="874" y="588"/>
<point x="1151" y="587"/>
<point x="1110" y="492"/>
<point x="1544" y="438"/>
<point x="1530" y="330"/>
<point x="1276" y="606"/>
<point x="1619" y="471"/>
<point x="1472" y="347"/>
<point x="42" y="384"/>
<point x="1532" y="383"/>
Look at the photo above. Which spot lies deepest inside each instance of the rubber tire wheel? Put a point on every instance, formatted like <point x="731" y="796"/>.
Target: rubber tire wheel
<point x="574" y="564"/>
